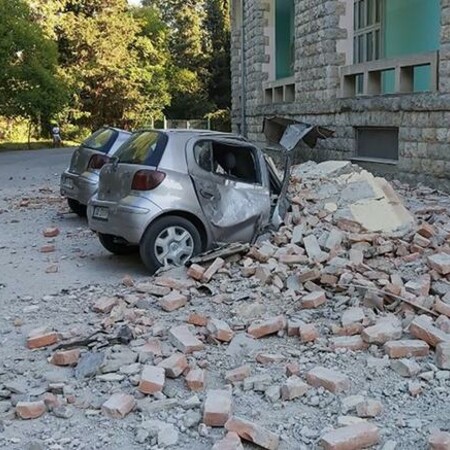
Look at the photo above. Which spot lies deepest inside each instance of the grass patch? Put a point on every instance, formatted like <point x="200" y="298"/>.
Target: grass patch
<point x="34" y="145"/>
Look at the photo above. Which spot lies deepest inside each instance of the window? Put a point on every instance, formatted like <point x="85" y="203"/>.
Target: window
<point x="284" y="38"/>
<point x="142" y="148"/>
<point x="367" y="40"/>
<point x="101" y="140"/>
<point x="377" y="143"/>
<point x="234" y="161"/>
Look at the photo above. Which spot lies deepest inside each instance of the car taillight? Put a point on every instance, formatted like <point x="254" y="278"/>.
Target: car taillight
<point x="97" y="162"/>
<point x="146" y="180"/>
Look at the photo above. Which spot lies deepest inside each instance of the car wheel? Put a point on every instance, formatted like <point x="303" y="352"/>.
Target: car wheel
<point x="77" y="207"/>
<point x="116" y="245"/>
<point x="169" y="241"/>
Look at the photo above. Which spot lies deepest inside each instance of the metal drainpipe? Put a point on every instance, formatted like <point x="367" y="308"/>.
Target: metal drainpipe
<point x="243" y="70"/>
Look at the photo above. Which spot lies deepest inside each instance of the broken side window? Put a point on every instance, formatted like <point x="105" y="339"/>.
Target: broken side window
<point x="234" y="161"/>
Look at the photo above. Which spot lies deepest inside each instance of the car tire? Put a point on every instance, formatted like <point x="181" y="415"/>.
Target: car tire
<point x="77" y="207"/>
<point x="116" y="245"/>
<point x="148" y="247"/>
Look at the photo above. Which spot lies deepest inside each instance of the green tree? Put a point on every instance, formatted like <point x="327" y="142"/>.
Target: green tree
<point x="219" y="31"/>
<point x="29" y="84"/>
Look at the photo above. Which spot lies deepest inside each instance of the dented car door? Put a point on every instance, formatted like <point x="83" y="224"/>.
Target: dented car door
<point x="232" y="186"/>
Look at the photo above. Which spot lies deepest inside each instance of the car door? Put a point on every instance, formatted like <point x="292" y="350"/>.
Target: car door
<point x="232" y="187"/>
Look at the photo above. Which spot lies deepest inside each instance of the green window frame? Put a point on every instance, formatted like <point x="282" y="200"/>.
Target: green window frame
<point x="284" y="38"/>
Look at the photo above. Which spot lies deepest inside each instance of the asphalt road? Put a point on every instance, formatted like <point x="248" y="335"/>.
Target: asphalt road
<point x="33" y="177"/>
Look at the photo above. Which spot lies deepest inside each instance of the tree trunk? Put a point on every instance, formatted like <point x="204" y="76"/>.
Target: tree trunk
<point x="29" y="134"/>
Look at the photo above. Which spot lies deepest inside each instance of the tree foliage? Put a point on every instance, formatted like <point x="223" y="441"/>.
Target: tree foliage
<point x="29" y="85"/>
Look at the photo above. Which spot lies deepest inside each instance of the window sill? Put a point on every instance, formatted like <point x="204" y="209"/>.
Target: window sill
<point x="391" y="162"/>
<point x="279" y="91"/>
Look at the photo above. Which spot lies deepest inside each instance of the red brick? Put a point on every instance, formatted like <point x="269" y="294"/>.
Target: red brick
<point x="172" y="283"/>
<point x="173" y="301"/>
<point x="184" y="340"/>
<point x="238" y="374"/>
<point x="217" y="408"/>
<point x="354" y="343"/>
<point x="406" y="348"/>
<point x="426" y="230"/>
<point x="293" y="327"/>
<point x="128" y="281"/>
<point x="422" y="328"/>
<point x="442" y="308"/>
<point x="293" y="259"/>
<point x="231" y="441"/>
<point x="254" y="433"/>
<point x="195" y="380"/>
<point x="443" y="355"/>
<point x="269" y="358"/>
<point x="51" y="400"/>
<point x="197" y="319"/>
<point x="220" y="330"/>
<point x="196" y="272"/>
<point x="308" y="332"/>
<point x="66" y="358"/>
<point x="212" y="270"/>
<point x="421" y="241"/>
<point x="293" y="388"/>
<point x="386" y="329"/>
<point x="47" y="248"/>
<point x="104" y="305"/>
<point x="331" y="380"/>
<point x="309" y="275"/>
<point x="174" y="365"/>
<point x="152" y="346"/>
<point x="30" y="410"/>
<point x="440" y="262"/>
<point x="443" y="323"/>
<point x="51" y="232"/>
<point x="152" y="380"/>
<point x="313" y="300"/>
<point x="439" y="440"/>
<point x="118" y="405"/>
<point x="266" y="327"/>
<point x="41" y="337"/>
<point x="353" y="437"/>
<point x="292" y="369"/>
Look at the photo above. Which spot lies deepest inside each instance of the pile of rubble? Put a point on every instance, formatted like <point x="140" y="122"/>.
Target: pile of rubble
<point x="301" y="341"/>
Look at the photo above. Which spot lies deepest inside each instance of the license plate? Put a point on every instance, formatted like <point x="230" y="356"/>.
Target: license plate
<point x="68" y="183"/>
<point x="101" y="213"/>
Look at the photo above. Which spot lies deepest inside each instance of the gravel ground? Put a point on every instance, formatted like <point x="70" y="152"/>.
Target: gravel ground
<point x="31" y="297"/>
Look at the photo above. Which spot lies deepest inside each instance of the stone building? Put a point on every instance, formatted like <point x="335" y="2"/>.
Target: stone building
<point x="377" y="72"/>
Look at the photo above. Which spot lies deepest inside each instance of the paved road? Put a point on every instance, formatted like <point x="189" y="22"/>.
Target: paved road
<point x="34" y="175"/>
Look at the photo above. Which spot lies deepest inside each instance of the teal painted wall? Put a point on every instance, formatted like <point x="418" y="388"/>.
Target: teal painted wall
<point x="411" y="26"/>
<point x="284" y="38"/>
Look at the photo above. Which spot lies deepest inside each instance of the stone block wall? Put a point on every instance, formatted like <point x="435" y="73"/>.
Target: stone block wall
<point x="423" y="119"/>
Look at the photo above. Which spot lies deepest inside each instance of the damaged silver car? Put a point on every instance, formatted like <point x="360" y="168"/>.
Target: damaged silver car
<point x="79" y="182"/>
<point x="172" y="194"/>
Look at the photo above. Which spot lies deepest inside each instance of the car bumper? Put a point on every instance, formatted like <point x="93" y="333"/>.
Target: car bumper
<point x="127" y="219"/>
<point x="79" y="187"/>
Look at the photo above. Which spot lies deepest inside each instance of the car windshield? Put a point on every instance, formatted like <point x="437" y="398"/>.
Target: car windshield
<point x="101" y="140"/>
<point x="140" y="148"/>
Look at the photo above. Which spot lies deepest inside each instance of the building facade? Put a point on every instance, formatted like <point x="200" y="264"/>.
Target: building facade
<point x="377" y="72"/>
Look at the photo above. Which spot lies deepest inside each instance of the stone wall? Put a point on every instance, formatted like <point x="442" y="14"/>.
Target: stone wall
<point x="423" y="119"/>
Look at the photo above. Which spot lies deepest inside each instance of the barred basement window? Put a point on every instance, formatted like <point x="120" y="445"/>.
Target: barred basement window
<point x="377" y="143"/>
<point x="367" y="41"/>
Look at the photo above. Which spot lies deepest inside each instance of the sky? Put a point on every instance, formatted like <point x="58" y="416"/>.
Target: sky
<point x="134" y="2"/>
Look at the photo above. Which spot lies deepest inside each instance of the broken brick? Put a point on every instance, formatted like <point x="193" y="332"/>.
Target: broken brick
<point x="308" y="333"/>
<point x="51" y="232"/>
<point x="184" y="340"/>
<point x="405" y="367"/>
<point x="386" y="329"/>
<point x="238" y="374"/>
<point x="426" y="230"/>
<point x="174" y="365"/>
<point x="369" y="408"/>
<point x="212" y="270"/>
<point x="352" y="437"/>
<point x="231" y="441"/>
<point x="406" y="348"/>
<point x="269" y="358"/>
<point x="442" y="308"/>
<point x="422" y="328"/>
<point x="104" y="305"/>
<point x="354" y="343"/>
<point x="309" y="275"/>
<point x="292" y="369"/>
<point x="195" y="380"/>
<point x="217" y="408"/>
<point x="440" y="262"/>
<point x="152" y="380"/>
<point x="173" y="301"/>
<point x="293" y="388"/>
<point x="66" y="358"/>
<point x="439" y="440"/>
<point x="443" y="355"/>
<point x="313" y="300"/>
<point x="118" y="405"/>
<point x="254" y="433"/>
<point x="220" y="330"/>
<point x="263" y="328"/>
<point x="331" y="380"/>
<point x="47" y="248"/>
<point x="41" y="337"/>
<point x="30" y="410"/>
<point x="197" y="319"/>
<point x="196" y="272"/>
